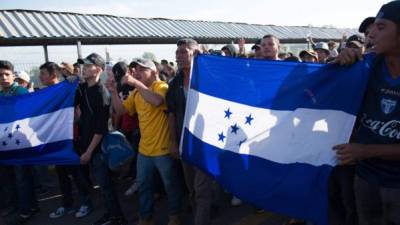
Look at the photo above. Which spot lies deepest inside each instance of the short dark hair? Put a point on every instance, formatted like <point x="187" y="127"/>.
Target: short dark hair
<point x="272" y="37"/>
<point x="51" y="67"/>
<point x="187" y="41"/>
<point x="4" y="64"/>
<point x="119" y="70"/>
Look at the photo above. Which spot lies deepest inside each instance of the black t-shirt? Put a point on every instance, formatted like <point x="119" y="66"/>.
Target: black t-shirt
<point x="176" y="102"/>
<point x="94" y="103"/>
<point x="379" y="123"/>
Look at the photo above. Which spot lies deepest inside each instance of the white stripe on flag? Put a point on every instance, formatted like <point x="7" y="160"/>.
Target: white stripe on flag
<point x="303" y="135"/>
<point x="34" y="131"/>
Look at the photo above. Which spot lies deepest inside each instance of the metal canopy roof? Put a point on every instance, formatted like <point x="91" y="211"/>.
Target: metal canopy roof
<point x="30" y="27"/>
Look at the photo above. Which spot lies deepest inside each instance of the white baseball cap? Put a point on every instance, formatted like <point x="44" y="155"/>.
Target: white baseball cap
<point x="23" y="76"/>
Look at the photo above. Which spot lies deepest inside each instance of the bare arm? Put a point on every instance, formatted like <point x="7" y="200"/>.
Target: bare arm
<point x="115" y="100"/>
<point x="85" y="158"/>
<point x="352" y="152"/>
<point x="147" y="94"/>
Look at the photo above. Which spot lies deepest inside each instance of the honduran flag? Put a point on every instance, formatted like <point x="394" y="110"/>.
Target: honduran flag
<point x="36" y="128"/>
<point x="265" y="129"/>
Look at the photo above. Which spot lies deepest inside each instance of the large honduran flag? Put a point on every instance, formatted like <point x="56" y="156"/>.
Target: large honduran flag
<point x="36" y="128"/>
<point x="265" y="129"/>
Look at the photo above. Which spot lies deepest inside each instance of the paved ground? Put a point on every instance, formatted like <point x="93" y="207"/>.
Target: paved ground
<point x="225" y="215"/>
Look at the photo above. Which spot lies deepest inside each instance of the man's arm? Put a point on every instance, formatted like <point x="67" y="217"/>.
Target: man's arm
<point x="147" y="94"/>
<point x="85" y="157"/>
<point x="115" y="100"/>
<point x="352" y="152"/>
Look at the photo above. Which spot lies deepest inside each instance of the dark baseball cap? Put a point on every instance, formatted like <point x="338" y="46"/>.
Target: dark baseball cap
<point x="365" y="24"/>
<point x="356" y="39"/>
<point x="390" y="11"/>
<point x="93" y="59"/>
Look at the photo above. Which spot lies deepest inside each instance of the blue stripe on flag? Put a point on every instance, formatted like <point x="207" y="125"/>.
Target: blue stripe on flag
<point x="284" y="85"/>
<point x="37" y="103"/>
<point x="298" y="190"/>
<point x="58" y="153"/>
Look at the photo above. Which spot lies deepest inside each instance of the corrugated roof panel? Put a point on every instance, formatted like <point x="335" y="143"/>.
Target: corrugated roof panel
<point x="60" y="24"/>
<point x="164" y="28"/>
<point x="140" y="28"/>
<point x="111" y="29"/>
<point x="198" y="30"/>
<point x="147" y="24"/>
<point x="14" y="24"/>
<point x="51" y="26"/>
<point x="48" y="32"/>
<point x="131" y="27"/>
<point x="74" y="25"/>
<point x="85" y="26"/>
<point x="20" y="26"/>
<point x="98" y="29"/>
<point x="27" y="24"/>
<point x="35" y="24"/>
<point x="115" y="22"/>
<point x="179" y="27"/>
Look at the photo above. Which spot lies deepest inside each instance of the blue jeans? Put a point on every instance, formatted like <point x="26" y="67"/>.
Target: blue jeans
<point x="165" y="165"/>
<point x="100" y="171"/>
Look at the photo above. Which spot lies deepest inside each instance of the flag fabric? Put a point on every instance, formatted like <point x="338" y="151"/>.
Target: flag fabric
<point x="36" y="128"/>
<point x="265" y="129"/>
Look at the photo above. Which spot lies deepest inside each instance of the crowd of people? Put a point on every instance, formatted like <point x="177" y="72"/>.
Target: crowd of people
<point x="145" y="100"/>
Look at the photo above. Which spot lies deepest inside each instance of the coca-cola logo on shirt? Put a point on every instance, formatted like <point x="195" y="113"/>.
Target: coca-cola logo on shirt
<point x="389" y="129"/>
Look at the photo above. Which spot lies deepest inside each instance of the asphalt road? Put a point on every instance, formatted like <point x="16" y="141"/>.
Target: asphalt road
<point x="224" y="214"/>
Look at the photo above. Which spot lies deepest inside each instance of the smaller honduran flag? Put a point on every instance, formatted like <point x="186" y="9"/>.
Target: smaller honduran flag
<point x="36" y="128"/>
<point x="265" y="129"/>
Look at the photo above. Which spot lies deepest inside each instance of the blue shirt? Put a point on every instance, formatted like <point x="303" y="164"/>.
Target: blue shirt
<point x="379" y="123"/>
<point x="15" y="89"/>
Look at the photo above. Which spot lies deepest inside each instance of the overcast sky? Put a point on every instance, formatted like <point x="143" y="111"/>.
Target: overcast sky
<point x="339" y="13"/>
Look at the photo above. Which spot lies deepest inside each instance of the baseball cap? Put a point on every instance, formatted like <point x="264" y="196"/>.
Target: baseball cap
<point x="67" y="66"/>
<point x="308" y="52"/>
<point x="390" y="11"/>
<point x="323" y="46"/>
<point x="93" y="59"/>
<point x="356" y="39"/>
<point x="365" y="24"/>
<point x="23" y="76"/>
<point x="146" y="63"/>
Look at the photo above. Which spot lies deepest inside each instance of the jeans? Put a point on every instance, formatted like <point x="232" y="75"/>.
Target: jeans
<point x="165" y="165"/>
<point x="25" y="189"/>
<point x="99" y="168"/>
<point x="81" y="183"/>
<point x="376" y="205"/>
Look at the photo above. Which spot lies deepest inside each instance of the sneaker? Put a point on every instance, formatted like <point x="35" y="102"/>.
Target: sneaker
<point x="132" y="189"/>
<point x="23" y="217"/>
<point x="235" y="201"/>
<point x="259" y="210"/>
<point x="83" y="211"/>
<point x="104" y="220"/>
<point x="60" y="212"/>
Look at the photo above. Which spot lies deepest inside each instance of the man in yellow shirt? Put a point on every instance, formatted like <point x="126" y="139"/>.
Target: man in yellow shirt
<point x="148" y="102"/>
